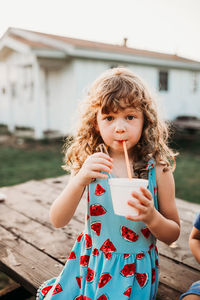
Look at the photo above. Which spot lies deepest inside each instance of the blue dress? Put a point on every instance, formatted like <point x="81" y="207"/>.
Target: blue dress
<point x="114" y="258"/>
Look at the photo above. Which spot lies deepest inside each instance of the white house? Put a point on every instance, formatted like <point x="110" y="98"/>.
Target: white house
<point x="43" y="77"/>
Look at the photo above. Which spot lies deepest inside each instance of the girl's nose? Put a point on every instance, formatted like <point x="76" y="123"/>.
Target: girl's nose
<point x="119" y="130"/>
<point x="119" y="127"/>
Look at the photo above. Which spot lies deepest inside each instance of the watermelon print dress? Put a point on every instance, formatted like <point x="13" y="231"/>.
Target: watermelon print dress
<point x="113" y="259"/>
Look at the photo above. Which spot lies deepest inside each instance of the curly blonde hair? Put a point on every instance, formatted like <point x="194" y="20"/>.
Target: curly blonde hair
<point x="114" y="90"/>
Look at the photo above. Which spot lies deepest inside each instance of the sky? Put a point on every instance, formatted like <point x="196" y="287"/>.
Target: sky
<point x="168" y="26"/>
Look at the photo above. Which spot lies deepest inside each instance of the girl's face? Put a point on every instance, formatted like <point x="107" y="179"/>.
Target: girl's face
<point x="126" y="124"/>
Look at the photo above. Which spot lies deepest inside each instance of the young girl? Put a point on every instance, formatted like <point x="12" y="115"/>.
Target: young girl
<point x="116" y="257"/>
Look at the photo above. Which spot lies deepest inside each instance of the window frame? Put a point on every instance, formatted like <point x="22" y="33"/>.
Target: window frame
<point x="165" y="87"/>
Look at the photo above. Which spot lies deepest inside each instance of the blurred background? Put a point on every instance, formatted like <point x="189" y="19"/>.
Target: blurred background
<point x="50" y="53"/>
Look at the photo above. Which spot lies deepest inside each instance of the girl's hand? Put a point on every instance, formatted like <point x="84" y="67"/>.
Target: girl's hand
<point x="93" y="166"/>
<point x="144" y="206"/>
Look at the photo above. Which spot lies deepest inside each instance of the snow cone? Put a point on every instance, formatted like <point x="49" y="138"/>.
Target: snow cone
<point x="121" y="190"/>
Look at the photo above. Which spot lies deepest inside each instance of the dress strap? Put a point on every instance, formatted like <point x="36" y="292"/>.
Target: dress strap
<point x="151" y="164"/>
<point x="152" y="180"/>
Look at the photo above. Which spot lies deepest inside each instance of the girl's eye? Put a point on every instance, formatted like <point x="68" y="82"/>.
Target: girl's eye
<point x="109" y="118"/>
<point x="130" y="117"/>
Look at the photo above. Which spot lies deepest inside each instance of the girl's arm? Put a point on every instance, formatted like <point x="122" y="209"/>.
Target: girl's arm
<point x="194" y="242"/>
<point x="63" y="208"/>
<point x="163" y="224"/>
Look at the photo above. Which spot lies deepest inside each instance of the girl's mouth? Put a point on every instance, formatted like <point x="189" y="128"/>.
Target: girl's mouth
<point x="121" y="141"/>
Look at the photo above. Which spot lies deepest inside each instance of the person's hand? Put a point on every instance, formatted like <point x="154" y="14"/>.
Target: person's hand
<point x="144" y="205"/>
<point x="92" y="167"/>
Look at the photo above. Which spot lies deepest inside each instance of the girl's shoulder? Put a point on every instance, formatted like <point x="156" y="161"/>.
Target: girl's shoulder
<point x="159" y="169"/>
<point x="163" y="176"/>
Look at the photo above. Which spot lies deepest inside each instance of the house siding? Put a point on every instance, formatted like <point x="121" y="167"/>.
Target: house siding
<point x="44" y="94"/>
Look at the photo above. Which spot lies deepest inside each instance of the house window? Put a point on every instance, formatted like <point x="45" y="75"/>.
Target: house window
<point x="163" y="81"/>
<point x="114" y="66"/>
<point x="194" y="82"/>
<point x="3" y="90"/>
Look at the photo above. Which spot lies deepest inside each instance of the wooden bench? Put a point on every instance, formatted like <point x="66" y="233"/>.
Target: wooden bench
<point x="32" y="251"/>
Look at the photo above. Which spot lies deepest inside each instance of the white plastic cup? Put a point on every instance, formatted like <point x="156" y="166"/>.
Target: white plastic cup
<point x="121" y="190"/>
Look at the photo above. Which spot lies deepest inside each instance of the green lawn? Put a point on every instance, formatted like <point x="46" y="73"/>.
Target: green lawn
<point x="31" y="162"/>
<point x="187" y="173"/>
<point x="20" y="163"/>
<point x="187" y="177"/>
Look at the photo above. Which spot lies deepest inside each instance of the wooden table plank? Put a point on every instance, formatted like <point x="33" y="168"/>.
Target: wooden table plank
<point x="179" y="251"/>
<point x="39" y="195"/>
<point x="178" y="276"/>
<point x="55" y="243"/>
<point x="25" y="263"/>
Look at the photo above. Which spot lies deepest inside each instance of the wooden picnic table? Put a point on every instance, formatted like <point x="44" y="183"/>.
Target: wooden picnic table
<point x="32" y="250"/>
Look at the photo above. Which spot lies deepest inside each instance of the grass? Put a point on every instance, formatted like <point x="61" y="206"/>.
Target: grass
<point x="30" y="161"/>
<point x="21" y="162"/>
<point x="187" y="178"/>
<point x="187" y="173"/>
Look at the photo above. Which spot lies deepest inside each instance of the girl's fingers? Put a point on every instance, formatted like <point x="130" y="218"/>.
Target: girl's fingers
<point x="102" y="155"/>
<point x="100" y="167"/>
<point x="98" y="175"/>
<point x="143" y="204"/>
<point x="142" y="198"/>
<point x="138" y="206"/>
<point x="94" y="157"/>
<point x="146" y="193"/>
<point x="135" y="218"/>
<point x="104" y="162"/>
